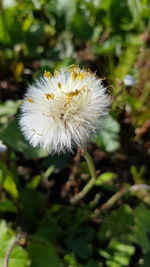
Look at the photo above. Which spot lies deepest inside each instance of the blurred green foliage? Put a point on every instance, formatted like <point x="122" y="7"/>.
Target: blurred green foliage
<point x="111" y="37"/>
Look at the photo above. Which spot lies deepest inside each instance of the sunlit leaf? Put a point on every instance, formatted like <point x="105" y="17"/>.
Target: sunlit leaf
<point x="8" y="181"/>
<point x="7" y="206"/>
<point x="66" y="7"/>
<point x="70" y="260"/>
<point x="18" y="257"/>
<point x="118" y="254"/>
<point x="104" y="178"/>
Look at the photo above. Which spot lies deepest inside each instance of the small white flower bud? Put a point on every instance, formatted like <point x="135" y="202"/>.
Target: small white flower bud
<point x="3" y="147"/>
<point x="129" y="80"/>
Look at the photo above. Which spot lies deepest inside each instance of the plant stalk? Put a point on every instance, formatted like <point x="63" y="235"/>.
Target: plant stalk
<point x="91" y="182"/>
<point x="8" y="252"/>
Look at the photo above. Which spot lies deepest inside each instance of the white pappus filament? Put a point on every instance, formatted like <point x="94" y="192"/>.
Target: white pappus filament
<point x="60" y="112"/>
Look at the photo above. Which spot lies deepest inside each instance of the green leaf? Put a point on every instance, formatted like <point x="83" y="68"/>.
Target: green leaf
<point x="80" y="27"/>
<point x="142" y="227"/>
<point x="107" y="135"/>
<point x="121" y="247"/>
<point x="8" y="108"/>
<point x="33" y="37"/>
<point x="105" y="4"/>
<point x="33" y="184"/>
<point x="10" y="28"/>
<point x="8" y="181"/>
<point x="43" y="255"/>
<point x="3" y="229"/>
<point x="58" y="161"/>
<point x="79" y="241"/>
<point x="18" y="257"/>
<point x="32" y="213"/>
<point x="104" y="178"/>
<point x="48" y="229"/>
<point x="12" y="137"/>
<point x="4" y="31"/>
<point x="66" y="7"/>
<point x="117" y="254"/>
<point x="112" y="264"/>
<point x="121" y="253"/>
<point x="70" y="260"/>
<point x="135" y="8"/>
<point x="7" y="206"/>
<point x="118" y="225"/>
<point x="10" y="186"/>
<point x="146" y="260"/>
<point x="93" y="263"/>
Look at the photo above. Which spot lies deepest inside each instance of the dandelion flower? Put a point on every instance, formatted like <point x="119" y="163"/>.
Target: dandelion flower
<point x="60" y="112"/>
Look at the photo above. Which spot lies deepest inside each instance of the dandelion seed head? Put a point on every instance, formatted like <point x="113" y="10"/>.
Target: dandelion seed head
<point x="60" y="112"/>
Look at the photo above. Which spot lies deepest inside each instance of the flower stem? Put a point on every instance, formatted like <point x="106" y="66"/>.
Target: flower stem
<point x="91" y="182"/>
<point x="13" y="244"/>
<point x="90" y="163"/>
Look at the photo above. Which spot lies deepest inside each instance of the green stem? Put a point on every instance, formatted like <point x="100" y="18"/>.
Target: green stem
<point x="91" y="182"/>
<point x="110" y="202"/>
<point x="8" y="252"/>
<point x="90" y="163"/>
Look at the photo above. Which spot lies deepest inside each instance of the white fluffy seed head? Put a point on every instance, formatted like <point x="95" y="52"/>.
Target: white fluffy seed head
<point x="60" y="112"/>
